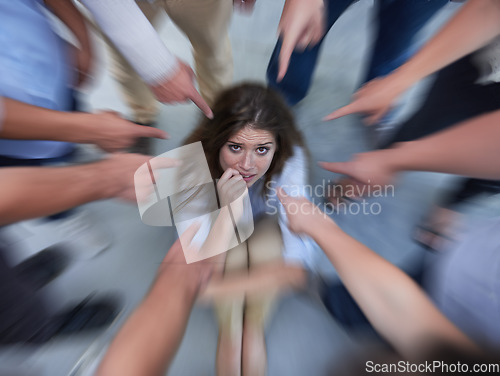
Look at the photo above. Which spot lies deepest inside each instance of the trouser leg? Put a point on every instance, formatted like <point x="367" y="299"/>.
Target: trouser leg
<point x="206" y="23"/>
<point x="398" y="21"/>
<point x="137" y="95"/>
<point x="295" y="85"/>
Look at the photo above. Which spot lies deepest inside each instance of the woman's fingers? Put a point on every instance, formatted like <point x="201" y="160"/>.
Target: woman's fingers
<point x="228" y="174"/>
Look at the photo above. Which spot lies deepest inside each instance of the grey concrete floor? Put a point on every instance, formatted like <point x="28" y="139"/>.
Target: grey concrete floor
<point x="302" y="338"/>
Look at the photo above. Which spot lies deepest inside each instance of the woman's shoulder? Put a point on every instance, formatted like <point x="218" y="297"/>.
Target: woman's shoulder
<point x="296" y="164"/>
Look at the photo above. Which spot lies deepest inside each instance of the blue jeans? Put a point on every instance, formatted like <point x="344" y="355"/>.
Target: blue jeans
<point x="397" y="23"/>
<point x="341" y="305"/>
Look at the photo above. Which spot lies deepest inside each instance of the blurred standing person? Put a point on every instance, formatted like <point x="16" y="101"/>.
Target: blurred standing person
<point x="303" y="26"/>
<point x="37" y="70"/>
<point x="142" y="83"/>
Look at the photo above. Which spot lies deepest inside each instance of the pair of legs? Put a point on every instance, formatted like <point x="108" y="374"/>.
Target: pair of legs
<point x="398" y="21"/>
<point x="241" y="348"/>
<point x="205" y="23"/>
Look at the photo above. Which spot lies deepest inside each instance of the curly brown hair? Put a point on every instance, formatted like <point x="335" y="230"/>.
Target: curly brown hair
<point x="248" y="105"/>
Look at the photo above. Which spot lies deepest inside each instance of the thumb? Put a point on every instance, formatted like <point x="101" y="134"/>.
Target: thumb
<point x="145" y="131"/>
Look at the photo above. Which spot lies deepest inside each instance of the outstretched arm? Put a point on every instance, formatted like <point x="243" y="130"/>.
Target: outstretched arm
<point x="148" y="341"/>
<point x="29" y="192"/>
<point x="267" y="278"/>
<point x="394" y="304"/>
<point x="469" y="149"/>
<point x="22" y="121"/>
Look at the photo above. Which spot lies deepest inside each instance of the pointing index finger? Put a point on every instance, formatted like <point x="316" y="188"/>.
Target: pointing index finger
<point x="349" y="109"/>
<point x="200" y="102"/>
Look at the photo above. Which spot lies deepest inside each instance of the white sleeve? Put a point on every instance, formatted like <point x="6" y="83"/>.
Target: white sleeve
<point x="297" y="249"/>
<point x="130" y="31"/>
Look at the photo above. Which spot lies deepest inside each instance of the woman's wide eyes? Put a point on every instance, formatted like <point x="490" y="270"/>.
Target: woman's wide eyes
<point x="261" y="150"/>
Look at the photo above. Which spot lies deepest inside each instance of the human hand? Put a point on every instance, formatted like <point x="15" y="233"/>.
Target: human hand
<point x="118" y="172"/>
<point x="244" y="6"/>
<point x="193" y="276"/>
<point x="230" y="186"/>
<point x="373" y="99"/>
<point x="303" y="216"/>
<point x="374" y="168"/>
<point x="302" y="24"/>
<point x="180" y="88"/>
<point x="112" y="133"/>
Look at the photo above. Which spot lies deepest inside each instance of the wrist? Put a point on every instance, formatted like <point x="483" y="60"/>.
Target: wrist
<point x="106" y="179"/>
<point x="176" y="280"/>
<point x="319" y="224"/>
<point x="399" y="157"/>
<point x="82" y="128"/>
<point x="406" y="76"/>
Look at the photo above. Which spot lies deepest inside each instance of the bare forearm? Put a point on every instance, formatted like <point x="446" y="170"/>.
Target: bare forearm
<point x="394" y="304"/>
<point x="66" y="11"/>
<point x="149" y="340"/>
<point x="39" y="191"/>
<point x="474" y="26"/>
<point x="260" y="280"/>
<point x="26" y="122"/>
<point x="470" y="149"/>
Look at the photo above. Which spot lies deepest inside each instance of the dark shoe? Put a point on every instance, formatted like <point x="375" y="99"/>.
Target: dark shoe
<point x="84" y="317"/>
<point x="87" y="316"/>
<point x="42" y="268"/>
<point x="143" y="145"/>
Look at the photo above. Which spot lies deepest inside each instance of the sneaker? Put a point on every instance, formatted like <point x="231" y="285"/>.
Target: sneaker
<point x="87" y="316"/>
<point x="85" y="235"/>
<point x="42" y="268"/>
